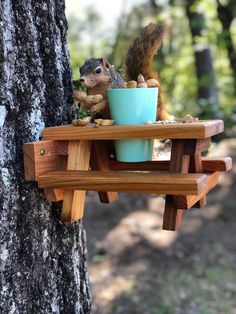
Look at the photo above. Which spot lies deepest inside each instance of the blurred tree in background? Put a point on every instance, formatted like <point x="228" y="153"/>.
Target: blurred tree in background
<point x="206" y="84"/>
<point x="197" y="63"/>
<point x="227" y="14"/>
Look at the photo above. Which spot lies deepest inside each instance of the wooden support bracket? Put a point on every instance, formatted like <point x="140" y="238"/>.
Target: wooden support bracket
<point x="42" y="157"/>
<point x="78" y="159"/>
<point x="179" y="162"/>
<point x="100" y="161"/>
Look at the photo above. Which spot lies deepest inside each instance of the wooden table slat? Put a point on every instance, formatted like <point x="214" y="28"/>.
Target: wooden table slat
<point x="151" y="183"/>
<point x="195" y="130"/>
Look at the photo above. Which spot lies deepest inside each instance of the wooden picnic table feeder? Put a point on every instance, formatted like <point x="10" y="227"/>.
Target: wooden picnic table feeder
<point x="70" y="160"/>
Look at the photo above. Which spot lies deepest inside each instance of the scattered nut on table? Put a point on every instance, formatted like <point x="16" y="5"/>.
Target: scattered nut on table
<point x="81" y="122"/>
<point x="103" y="122"/>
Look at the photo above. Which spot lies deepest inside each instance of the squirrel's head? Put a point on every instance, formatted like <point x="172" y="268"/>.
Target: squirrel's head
<point x="95" y="72"/>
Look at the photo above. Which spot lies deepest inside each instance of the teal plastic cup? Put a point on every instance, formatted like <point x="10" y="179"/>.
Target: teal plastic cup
<point x="130" y="106"/>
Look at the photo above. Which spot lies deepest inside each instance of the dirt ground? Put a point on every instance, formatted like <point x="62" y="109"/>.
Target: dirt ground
<point x="137" y="268"/>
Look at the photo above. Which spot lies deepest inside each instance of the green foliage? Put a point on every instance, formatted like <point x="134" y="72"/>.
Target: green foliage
<point x="163" y="309"/>
<point x="82" y="113"/>
<point x="86" y="39"/>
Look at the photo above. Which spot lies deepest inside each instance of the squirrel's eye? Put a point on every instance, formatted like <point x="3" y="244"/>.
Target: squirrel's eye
<point x="98" y="70"/>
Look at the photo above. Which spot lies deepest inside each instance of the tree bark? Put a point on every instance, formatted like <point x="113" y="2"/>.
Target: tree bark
<point x="207" y="90"/>
<point x="42" y="262"/>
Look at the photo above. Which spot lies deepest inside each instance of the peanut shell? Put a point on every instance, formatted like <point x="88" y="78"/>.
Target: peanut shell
<point x="152" y="83"/>
<point x="142" y="85"/>
<point x="81" y="122"/>
<point x="81" y="96"/>
<point x="104" y="122"/>
<point x="94" y="99"/>
<point x="131" y="84"/>
<point x="140" y="79"/>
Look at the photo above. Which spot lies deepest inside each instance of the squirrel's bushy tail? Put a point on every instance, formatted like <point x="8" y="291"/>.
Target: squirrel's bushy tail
<point x="140" y="55"/>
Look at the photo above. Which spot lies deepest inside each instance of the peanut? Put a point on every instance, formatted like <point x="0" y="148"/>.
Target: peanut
<point x="152" y="83"/>
<point x="94" y="99"/>
<point x="140" y="79"/>
<point x="131" y="84"/>
<point x="142" y="85"/>
<point x="81" y="96"/>
<point x="81" y="122"/>
<point x="88" y="99"/>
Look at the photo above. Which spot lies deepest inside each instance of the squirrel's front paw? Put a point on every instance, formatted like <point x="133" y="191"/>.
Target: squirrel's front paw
<point x="98" y="107"/>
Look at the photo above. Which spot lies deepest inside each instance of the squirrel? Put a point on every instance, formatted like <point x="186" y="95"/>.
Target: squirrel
<point x="97" y="75"/>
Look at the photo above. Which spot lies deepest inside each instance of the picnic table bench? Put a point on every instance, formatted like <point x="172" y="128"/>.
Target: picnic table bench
<point x="71" y="160"/>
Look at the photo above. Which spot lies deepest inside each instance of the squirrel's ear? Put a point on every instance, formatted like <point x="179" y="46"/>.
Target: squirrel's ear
<point x="105" y="62"/>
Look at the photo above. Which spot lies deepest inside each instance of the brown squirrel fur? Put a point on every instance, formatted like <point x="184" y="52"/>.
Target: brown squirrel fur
<point x="139" y="59"/>
<point x="98" y="75"/>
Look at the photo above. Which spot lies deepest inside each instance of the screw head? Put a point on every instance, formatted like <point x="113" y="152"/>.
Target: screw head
<point x="42" y="151"/>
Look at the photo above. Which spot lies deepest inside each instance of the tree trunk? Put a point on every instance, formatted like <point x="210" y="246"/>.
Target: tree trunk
<point x="43" y="263"/>
<point x="207" y="90"/>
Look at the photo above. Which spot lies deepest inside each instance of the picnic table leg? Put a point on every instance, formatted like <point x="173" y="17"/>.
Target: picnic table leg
<point x="185" y="157"/>
<point x="100" y="161"/>
<point x="195" y="166"/>
<point x="78" y="159"/>
<point x="172" y="215"/>
<point x="179" y="162"/>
